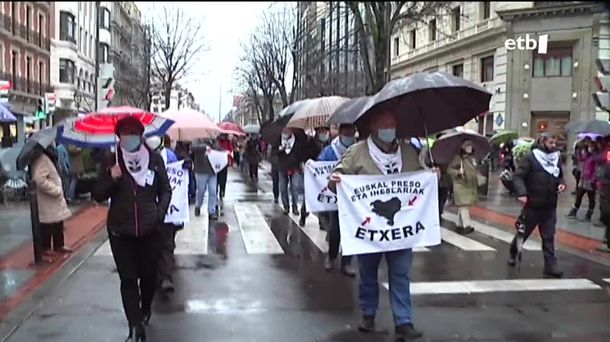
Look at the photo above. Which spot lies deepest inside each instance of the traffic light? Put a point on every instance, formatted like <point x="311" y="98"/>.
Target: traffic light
<point x="602" y="97"/>
<point x="40" y="113"/>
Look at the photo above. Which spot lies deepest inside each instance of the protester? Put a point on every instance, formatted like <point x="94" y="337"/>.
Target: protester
<point x="291" y="154"/>
<point x="334" y="152"/>
<point x="139" y="192"/>
<point x="587" y="159"/>
<point x="382" y="153"/>
<point x="538" y="181"/>
<point x="464" y="174"/>
<point x="315" y="146"/>
<point x="52" y="207"/>
<point x="253" y="156"/>
<point x="226" y="145"/>
<point x="205" y="177"/>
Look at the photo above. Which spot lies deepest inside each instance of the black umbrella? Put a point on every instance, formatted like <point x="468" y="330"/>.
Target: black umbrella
<point x="35" y="144"/>
<point x="271" y="131"/>
<point x="348" y="112"/>
<point x="591" y="126"/>
<point x="426" y="103"/>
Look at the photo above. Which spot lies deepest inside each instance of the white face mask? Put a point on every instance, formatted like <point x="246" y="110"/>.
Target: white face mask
<point x="468" y="149"/>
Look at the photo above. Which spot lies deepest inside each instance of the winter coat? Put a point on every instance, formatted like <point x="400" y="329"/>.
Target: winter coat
<point x="200" y="158"/>
<point x="539" y="186"/>
<point x="358" y="161"/>
<point x="465" y="188"/>
<point x="589" y="172"/>
<point x="134" y="210"/>
<point x="227" y="145"/>
<point x="253" y="155"/>
<point x="293" y="160"/>
<point x="52" y="207"/>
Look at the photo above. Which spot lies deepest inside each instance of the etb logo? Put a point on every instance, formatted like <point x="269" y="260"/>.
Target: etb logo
<point x="528" y="43"/>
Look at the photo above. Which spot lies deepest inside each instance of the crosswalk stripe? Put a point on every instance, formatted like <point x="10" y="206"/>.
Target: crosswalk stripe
<point x="421" y="249"/>
<point x="463" y="242"/>
<point x="313" y="231"/>
<point x="193" y="238"/>
<point x="257" y="236"/>
<point x="496" y="233"/>
<point x="504" y="285"/>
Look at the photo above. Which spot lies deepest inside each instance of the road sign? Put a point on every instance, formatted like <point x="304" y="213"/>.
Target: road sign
<point x="5" y="86"/>
<point x="49" y="102"/>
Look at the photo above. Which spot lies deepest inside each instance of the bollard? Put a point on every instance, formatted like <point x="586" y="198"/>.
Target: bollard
<point x="34" y="218"/>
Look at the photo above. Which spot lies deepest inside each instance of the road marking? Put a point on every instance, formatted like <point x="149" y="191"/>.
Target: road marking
<point x="313" y="231"/>
<point x="607" y="280"/>
<point x="421" y="249"/>
<point x="496" y="233"/>
<point x="504" y="285"/>
<point x="257" y="236"/>
<point x="193" y="238"/>
<point x="463" y="242"/>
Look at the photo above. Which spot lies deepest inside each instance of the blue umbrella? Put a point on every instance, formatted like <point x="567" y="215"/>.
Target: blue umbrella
<point x="6" y="115"/>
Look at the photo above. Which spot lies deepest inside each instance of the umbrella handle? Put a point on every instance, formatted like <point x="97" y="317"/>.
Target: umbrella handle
<point x="428" y="143"/>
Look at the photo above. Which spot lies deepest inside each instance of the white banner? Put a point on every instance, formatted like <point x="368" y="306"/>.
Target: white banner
<point x="178" y="211"/>
<point x="318" y="197"/>
<point x="388" y="213"/>
<point x="218" y="159"/>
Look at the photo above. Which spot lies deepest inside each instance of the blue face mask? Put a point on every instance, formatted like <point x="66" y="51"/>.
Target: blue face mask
<point x="387" y="135"/>
<point x="131" y="142"/>
<point x="323" y="137"/>
<point x="347" y="141"/>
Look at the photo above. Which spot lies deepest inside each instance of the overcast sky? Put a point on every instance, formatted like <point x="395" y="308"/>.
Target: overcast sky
<point x="224" y="25"/>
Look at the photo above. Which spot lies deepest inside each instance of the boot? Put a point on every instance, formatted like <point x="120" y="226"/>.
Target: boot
<point x="589" y="215"/>
<point x="552" y="272"/>
<point x="407" y="332"/>
<point x="295" y="211"/>
<point x="302" y="221"/>
<point x="367" y="324"/>
<point x="572" y="213"/>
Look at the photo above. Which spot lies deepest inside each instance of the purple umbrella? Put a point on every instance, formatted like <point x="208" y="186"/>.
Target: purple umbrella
<point x="6" y="115"/>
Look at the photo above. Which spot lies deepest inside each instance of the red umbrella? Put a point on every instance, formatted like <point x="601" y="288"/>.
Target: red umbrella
<point x="231" y="128"/>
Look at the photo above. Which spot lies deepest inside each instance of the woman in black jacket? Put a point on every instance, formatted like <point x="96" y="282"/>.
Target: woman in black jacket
<point x="139" y="193"/>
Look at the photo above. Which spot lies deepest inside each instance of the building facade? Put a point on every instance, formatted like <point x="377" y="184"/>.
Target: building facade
<point x="329" y="61"/>
<point x="531" y="93"/>
<point x="73" y="49"/>
<point x="25" y="50"/>
<point x="180" y="98"/>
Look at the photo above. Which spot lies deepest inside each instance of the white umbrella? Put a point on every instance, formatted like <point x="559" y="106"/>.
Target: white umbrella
<point x="190" y="124"/>
<point x="316" y="112"/>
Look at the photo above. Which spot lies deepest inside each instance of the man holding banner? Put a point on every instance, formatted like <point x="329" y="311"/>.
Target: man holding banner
<point x="397" y="206"/>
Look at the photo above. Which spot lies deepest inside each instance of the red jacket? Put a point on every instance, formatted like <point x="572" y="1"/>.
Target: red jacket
<point x="227" y="145"/>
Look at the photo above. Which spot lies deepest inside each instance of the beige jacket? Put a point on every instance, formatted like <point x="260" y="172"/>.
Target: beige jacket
<point x="52" y="206"/>
<point x="358" y="161"/>
<point x="465" y="188"/>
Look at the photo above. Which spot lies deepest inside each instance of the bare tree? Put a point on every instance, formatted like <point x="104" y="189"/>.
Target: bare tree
<point x="176" y="44"/>
<point x="375" y="24"/>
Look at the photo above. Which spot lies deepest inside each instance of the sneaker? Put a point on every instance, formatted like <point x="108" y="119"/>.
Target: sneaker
<point x="407" y="331"/>
<point x="167" y="286"/>
<point x="197" y="212"/>
<point x="328" y="264"/>
<point x="348" y="270"/>
<point x="367" y="324"/>
<point x="468" y="230"/>
<point x="552" y="272"/>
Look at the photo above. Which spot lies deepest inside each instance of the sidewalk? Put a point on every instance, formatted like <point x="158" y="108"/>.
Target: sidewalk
<point x="19" y="275"/>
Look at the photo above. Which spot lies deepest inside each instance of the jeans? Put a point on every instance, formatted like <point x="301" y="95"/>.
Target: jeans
<point x="208" y="181"/>
<point x="334" y="239"/>
<point x="70" y="187"/>
<point x="545" y="220"/>
<point x="399" y="266"/>
<point x="296" y="186"/>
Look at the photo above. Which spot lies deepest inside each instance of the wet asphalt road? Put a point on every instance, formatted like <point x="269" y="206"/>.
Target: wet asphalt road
<point x="288" y="296"/>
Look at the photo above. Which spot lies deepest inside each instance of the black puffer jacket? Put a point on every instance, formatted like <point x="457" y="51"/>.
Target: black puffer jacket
<point x="134" y="210"/>
<point x="539" y="186"/>
<point x="298" y="154"/>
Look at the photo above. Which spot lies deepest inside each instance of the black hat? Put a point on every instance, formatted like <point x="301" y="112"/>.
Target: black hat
<point x="130" y="124"/>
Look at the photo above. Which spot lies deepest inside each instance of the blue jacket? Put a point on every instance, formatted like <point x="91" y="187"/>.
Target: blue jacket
<point x="64" y="158"/>
<point x="328" y="154"/>
<point x="171" y="156"/>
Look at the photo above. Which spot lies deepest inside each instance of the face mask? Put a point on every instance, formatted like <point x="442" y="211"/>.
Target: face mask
<point x="130" y="142"/>
<point x="286" y="136"/>
<point x="468" y="149"/>
<point x="154" y="142"/>
<point x="387" y="135"/>
<point x="323" y="137"/>
<point x="347" y="141"/>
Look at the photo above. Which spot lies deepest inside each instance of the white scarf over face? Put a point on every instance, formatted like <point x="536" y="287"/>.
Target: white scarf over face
<point x="388" y="163"/>
<point x="338" y="147"/>
<point x="549" y="161"/>
<point x="288" y="144"/>
<point x="137" y="164"/>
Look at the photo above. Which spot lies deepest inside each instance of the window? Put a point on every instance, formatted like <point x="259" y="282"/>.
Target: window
<point x="104" y="18"/>
<point x="1" y="57"/>
<point x="28" y="23"/>
<point x="104" y="52"/>
<point x="41" y="77"/>
<point x="456" y="18"/>
<point x="413" y="39"/>
<point x="81" y="43"/>
<point x="66" y="71"/>
<point x="487" y="69"/>
<point x="432" y="30"/>
<point x="396" y="46"/>
<point x="323" y="34"/>
<point x="86" y="43"/>
<point x="28" y="73"/>
<point x="14" y="66"/>
<point x="14" y="15"/>
<point x="41" y="29"/>
<point x="458" y="70"/>
<point x="67" y="26"/>
<point x="485" y="10"/>
<point x="556" y="62"/>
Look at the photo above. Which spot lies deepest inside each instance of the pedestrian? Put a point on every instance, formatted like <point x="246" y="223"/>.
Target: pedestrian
<point x="205" y="177"/>
<point x="465" y="178"/>
<point x="52" y="206"/>
<point x="334" y="152"/>
<point x="291" y="153"/>
<point x="382" y="153"/>
<point x="139" y="192"/>
<point x="508" y="158"/>
<point x="604" y="199"/>
<point x="253" y="156"/>
<point x="226" y="145"/>
<point x="275" y="172"/>
<point x="538" y="182"/>
<point x="587" y="159"/>
<point x="445" y="183"/>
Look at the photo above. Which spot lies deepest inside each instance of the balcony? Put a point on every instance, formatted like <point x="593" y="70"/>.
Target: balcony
<point x="28" y="35"/>
<point x="24" y="85"/>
